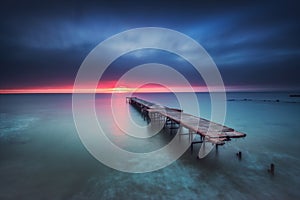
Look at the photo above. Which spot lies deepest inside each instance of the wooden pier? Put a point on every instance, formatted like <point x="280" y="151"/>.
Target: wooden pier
<point x="174" y="118"/>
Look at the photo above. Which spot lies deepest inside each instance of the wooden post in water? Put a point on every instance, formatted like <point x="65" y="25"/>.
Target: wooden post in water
<point x="272" y="169"/>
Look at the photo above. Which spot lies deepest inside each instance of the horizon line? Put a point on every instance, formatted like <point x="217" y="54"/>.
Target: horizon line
<point x="131" y="90"/>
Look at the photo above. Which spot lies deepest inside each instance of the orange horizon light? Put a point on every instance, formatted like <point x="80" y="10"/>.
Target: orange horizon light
<point x="125" y="89"/>
<point x="121" y="89"/>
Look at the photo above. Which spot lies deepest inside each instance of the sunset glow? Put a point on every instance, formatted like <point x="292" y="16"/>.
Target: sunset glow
<point x="123" y="89"/>
<point x="98" y="90"/>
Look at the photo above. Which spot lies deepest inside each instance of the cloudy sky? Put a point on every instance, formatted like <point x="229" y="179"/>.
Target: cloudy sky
<point x="255" y="45"/>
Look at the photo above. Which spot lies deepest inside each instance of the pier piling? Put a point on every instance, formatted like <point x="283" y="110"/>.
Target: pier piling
<point x="272" y="169"/>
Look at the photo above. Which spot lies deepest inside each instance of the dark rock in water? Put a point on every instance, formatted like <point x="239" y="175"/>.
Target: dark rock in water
<point x="294" y="95"/>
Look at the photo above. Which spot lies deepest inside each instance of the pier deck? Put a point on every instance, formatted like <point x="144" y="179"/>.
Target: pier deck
<point x="210" y="131"/>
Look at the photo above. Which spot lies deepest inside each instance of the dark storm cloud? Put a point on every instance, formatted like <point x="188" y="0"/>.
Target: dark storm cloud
<point x="44" y="43"/>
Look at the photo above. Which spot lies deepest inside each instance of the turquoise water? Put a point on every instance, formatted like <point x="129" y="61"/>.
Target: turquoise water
<point x="42" y="157"/>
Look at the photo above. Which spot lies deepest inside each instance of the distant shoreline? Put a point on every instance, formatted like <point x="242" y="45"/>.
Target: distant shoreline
<point x="264" y="100"/>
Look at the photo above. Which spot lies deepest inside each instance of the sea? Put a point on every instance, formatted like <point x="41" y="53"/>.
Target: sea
<point x="43" y="157"/>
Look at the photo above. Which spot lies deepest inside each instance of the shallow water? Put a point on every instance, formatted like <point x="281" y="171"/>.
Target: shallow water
<point x="42" y="157"/>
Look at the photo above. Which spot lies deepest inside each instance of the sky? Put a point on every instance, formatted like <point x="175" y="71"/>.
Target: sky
<point x="254" y="44"/>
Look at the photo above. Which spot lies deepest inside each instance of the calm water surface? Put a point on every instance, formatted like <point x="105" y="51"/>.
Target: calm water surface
<point x="42" y="157"/>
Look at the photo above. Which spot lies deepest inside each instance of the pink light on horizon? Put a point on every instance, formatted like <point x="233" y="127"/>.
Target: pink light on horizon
<point x="110" y="88"/>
